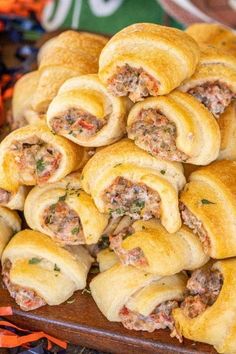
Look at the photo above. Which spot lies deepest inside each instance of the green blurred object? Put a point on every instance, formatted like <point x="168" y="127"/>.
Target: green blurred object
<point x="103" y="16"/>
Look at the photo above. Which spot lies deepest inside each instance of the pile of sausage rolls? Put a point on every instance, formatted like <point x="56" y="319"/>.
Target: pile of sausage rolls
<point x="124" y="160"/>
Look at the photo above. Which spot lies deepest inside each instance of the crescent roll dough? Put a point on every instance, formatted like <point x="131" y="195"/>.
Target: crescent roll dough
<point x="152" y="249"/>
<point x="175" y="127"/>
<point x="10" y="223"/>
<point x="33" y="155"/>
<point x="65" y="212"/>
<point x="208" y="206"/>
<point x="70" y="54"/>
<point x="37" y="271"/>
<point x="213" y="34"/>
<point x="227" y="124"/>
<point x="216" y="325"/>
<point x="14" y="200"/>
<point x="125" y="180"/>
<point x="85" y="112"/>
<point x="214" y="81"/>
<point x="137" y="299"/>
<point x="21" y="101"/>
<point x="146" y="59"/>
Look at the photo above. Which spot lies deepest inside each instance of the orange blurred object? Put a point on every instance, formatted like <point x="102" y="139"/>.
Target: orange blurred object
<point x="22" y="7"/>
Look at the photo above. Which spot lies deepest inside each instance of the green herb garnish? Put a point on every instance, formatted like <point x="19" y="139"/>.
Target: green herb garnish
<point x="62" y="198"/>
<point x="205" y="201"/>
<point x="75" y="230"/>
<point x="137" y="205"/>
<point x="163" y="172"/>
<point x="94" y="270"/>
<point x="56" y="268"/>
<point x="34" y="260"/>
<point x="104" y="242"/>
<point x="40" y="165"/>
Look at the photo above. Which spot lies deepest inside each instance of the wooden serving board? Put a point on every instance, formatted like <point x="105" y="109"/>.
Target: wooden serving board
<point x="82" y="323"/>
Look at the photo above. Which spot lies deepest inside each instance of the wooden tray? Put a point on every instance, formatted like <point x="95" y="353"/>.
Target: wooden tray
<point x="82" y="323"/>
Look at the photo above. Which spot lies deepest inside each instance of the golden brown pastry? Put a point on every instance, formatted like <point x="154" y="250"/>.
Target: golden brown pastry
<point x="37" y="271"/>
<point x="214" y="81"/>
<point x="10" y="223"/>
<point x="65" y="212"/>
<point x="149" y="247"/>
<point x="208" y="206"/>
<point x="175" y="127"/>
<point x="86" y="113"/>
<point x="147" y="59"/>
<point x="70" y="54"/>
<point x="21" y="102"/>
<point x="213" y="34"/>
<point x="139" y="300"/>
<point x="227" y="124"/>
<point x="14" y="200"/>
<point x="125" y="180"/>
<point x="33" y="155"/>
<point x="208" y="313"/>
<point x="106" y="258"/>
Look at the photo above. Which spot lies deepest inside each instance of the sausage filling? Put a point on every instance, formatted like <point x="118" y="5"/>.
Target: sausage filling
<point x="64" y="223"/>
<point x="153" y="132"/>
<point x="136" y="200"/>
<point x="132" y="82"/>
<point x="77" y="122"/>
<point x="133" y="257"/>
<point x="36" y="159"/>
<point x="196" y="225"/>
<point x="203" y="289"/>
<point x="216" y="96"/>
<point x="160" y="318"/>
<point x="5" y="196"/>
<point x="26" y="298"/>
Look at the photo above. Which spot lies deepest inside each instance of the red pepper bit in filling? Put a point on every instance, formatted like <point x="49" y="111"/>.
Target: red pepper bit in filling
<point x="153" y="132"/>
<point x="132" y="82"/>
<point x="77" y="122"/>
<point x="136" y="200"/>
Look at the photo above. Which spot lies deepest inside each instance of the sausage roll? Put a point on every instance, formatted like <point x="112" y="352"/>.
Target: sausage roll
<point x="227" y="124"/>
<point x="175" y="127"/>
<point x="85" y="112"/>
<point x="14" y="200"/>
<point x="214" y="81"/>
<point x="149" y="247"/>
<point x="37" y="271"/>
<point x="213" y="34"/>
<point x="146" y="59"/>
<point x="10" y="223"/>
<point x="208" y="312"/>
<point x="63" y="211"/>
<point x="125" y="180"/>
<point x="33" y="155"/>
<point x="139" y="300"/>
<point x="208" y="207"/>
<point x="21" y="101"/>
<point x="70" y="54"/>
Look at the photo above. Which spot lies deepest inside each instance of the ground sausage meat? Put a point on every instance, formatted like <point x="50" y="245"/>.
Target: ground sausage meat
<point x="27" y="299"/>
<point x="77" y="122"/>
<point x="136" y="200"/>
<point x="64" y="223"/>
<point x="196" y="225"/>
<point x="160" y="318"/>
<point x="153" y="132"/>
<point x="203" y="289"/>
<point x="5" y="196"/>
<point x="216" y="96"/>
<point x="133" y="257"/>
<point x="132" y="82"/>
<point x="36" y="158"/>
